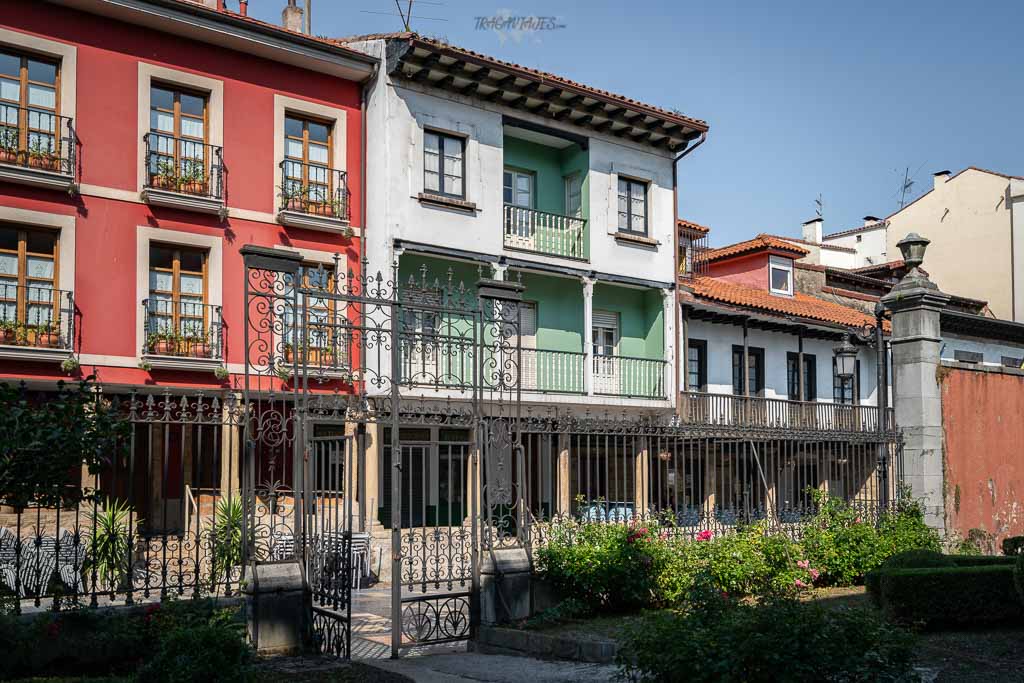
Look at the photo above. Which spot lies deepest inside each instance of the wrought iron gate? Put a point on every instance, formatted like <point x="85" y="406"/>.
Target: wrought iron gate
<point x="418" y="377"/>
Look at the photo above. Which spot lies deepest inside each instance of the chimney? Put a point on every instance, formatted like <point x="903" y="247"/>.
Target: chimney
<point x="291" y="17"/>
<point x="812" y="230"/>
<point x="940" y="178"/>
<point x="243" y="7"/>
<point x="870" y="220"/>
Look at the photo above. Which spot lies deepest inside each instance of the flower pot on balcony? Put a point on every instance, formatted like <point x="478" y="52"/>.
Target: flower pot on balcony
<point x="8" y="336"/>
<point x="161" y="182"/>
<point x="49" y="340"/>
<point x="46" y="163"/>
<point x="201" y="349"/>
<point x="8" y="156"/>
<point x="163" y="348"/>
<point x="294" y="204"/>
<point x="194" y="187"/>
<point x="289" y="355"/>
<point x="320" y="209"/>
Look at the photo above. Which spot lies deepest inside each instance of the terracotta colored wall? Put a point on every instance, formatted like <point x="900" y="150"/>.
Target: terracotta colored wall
<point x="983" y="423"/>
<point x="106" y="229"/>
<point x="751" y="271"/>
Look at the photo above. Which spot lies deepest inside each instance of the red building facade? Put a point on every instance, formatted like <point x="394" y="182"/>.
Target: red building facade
<point x="141" y="146"/>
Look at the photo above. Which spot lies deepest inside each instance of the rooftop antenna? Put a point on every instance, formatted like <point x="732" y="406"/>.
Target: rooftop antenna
<point x="405" y="12"/>
<point x="819" y="206"/>
<point x="907" y="185"/>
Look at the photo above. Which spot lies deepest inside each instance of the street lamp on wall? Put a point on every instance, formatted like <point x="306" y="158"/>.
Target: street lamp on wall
<point x="846" y="358"/>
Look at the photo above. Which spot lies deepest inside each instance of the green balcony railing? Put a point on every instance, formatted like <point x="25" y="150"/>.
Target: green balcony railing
<point x="629" y="377"/>
<point x="555" y="372"/>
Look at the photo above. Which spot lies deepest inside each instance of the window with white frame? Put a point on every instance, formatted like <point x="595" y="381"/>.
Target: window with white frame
<point x="444" y="164"/>
<point x="780" y="275"/>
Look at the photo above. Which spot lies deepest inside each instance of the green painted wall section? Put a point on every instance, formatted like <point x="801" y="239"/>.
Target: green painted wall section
<point x="640" y="312"/>
<point x="550" y="166"/>
<point x="559" y="311"/>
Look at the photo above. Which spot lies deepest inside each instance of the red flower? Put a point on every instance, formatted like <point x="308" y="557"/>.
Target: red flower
<point x="705" y="535"/>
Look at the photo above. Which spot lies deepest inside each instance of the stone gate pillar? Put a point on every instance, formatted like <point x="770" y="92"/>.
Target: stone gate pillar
<point x="916" y="305"/>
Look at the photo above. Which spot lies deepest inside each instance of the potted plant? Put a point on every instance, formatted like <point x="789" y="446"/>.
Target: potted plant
<point x="291" y="197"/>
<point x="41" y="155"/>
<point x="193" y="177"/>
<point x="164" y="178"/>
<point x="221" y="373"/>
<point x="283" y="373"/>
<point x="289" y="354"/>
<point x="9" y="331"/>
<point x="9" y="145"/>
<point x="163" y="343"/>
<point x="199" y="345"/>
<point x="70" y="365"/>
<point x="48" y="334"/>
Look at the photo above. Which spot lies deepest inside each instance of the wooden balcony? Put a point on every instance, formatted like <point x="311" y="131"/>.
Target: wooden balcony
<point x="541" y="232"/>
<point x="753" y="412"/>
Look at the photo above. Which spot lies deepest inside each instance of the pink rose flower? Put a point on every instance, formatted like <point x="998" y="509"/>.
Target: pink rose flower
<point x="814" y="574"/>
<point x="704" y="535"/>
<point x="803" y="564"/>
<point x="799" y="584"/>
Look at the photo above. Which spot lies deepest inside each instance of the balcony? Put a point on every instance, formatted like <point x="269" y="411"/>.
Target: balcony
<point x="774" y="413"/>
<point x="184" y="174"/>
<point x="552" y="372"/>
<point x="182" y="335"/>
<point x="38" y="148"/>
<point x="36" y="323"/>
<point x="546" y="233"/>
<point x="314" y="197"/>
<point x="629" y="377"/>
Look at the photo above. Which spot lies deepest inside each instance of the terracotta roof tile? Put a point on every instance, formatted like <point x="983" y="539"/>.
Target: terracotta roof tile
<point x="549" y="78"/>
<point x="799" y="305"/>
<point x="757" y="244"/>
<point x="684" y="224"/>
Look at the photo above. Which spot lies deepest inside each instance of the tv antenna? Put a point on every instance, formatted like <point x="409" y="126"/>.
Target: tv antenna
<point x="404" y="8"/>
<point x="819" y="206"/>
<point x="907" y="185"/>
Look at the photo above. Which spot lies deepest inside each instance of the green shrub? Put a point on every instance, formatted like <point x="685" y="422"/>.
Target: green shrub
<point x="1013" y="545"/>
<point x="778" y="639"/>
<point x="201" y="654"/>
<point x="916" y="559"/>
<point x="937" y="597"/>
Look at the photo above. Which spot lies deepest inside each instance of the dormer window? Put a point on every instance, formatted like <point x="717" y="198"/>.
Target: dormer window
<point x="780" y="275"/>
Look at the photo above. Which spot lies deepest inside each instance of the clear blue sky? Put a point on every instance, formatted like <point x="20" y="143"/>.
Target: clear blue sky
<point x="802" y="97"/>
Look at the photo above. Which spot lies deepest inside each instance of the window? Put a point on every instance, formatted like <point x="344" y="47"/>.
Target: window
<point x="321" y="336"/>
<point x="968" y="356"/>
<point x="632" y="206"/>
<point x="756" y="373"/>
<point x="444" y="164"/>
<point x="28" y="276"/>
<point x="517" y="188"/>
<point x="177" y="292"/>
<point x="793" y="376"/>
<point x="574" y="195"/>
<point x="605" y="333"/>
<point x="177" y="139"/>
<point x="846" y="391"/>
<point x="780" y="275"/>
<point x="697" y="365"/>
<point x="29" y="106"/>
<point x="1011" y="362"/>
<point x="307" y="164"/>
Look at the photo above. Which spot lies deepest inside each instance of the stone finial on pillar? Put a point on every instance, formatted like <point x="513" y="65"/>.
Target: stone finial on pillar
<point x="916" y="305"/>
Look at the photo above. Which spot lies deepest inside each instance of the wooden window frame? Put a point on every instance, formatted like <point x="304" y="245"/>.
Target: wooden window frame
<point x="630" y="183"/>
<point x="515" y="171"/>
<point x="176" y="135"/>
<point x="810" y="376"/>
<point x="23" y="281"/>
<point x="175" y="292"/>
<point x="442" y="136"/>
<point x="756" y="354"/>
<point x="23" y="105"/>
<point x="304" y="161"/>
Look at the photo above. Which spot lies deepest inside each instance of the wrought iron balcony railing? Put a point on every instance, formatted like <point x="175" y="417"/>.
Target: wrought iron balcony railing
<point x="546" y="233"/>
<point x="182" y="329"/>
<point x="555" y="372"/>
<point x="325" y="345"/>
<point x="38" y="139"/>
<point x="36" y="316"/>
<point x="183" y="165"/>
<point x="314" y="190"/>
<point x="753" y="411"/>
<point x="629" y="377"/>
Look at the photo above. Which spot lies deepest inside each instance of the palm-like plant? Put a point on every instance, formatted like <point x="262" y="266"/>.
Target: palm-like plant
<point x="225" y="533"/>
<point x="110" y="547"/>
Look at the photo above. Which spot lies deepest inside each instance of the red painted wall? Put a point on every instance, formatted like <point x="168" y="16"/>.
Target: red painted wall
<point x="107" y="123"/>
<point x="750" y="271"/>
<point x="984" y="459"/>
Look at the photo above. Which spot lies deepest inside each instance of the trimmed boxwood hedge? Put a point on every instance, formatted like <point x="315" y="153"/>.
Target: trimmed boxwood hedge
<point x="937" y="597"/>
<point x="927" y="559"/>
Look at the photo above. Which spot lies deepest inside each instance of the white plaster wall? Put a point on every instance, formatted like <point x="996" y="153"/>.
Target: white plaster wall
<point x="396" y="116"/>
<point x="871" y="249"/>
<point x="838" y="259"/>
<point x="993" y="351"/>
<point x="720" y="339"/>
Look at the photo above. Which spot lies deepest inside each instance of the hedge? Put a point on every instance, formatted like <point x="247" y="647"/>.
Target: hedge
<point x="938" y="597"/>
<point x="1013" y="545"/>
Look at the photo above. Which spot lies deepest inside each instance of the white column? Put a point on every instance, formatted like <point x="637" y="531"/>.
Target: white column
<point x="669" y="312"/>
<point x="588" y="326"/>
<point x="498" y="271"/>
